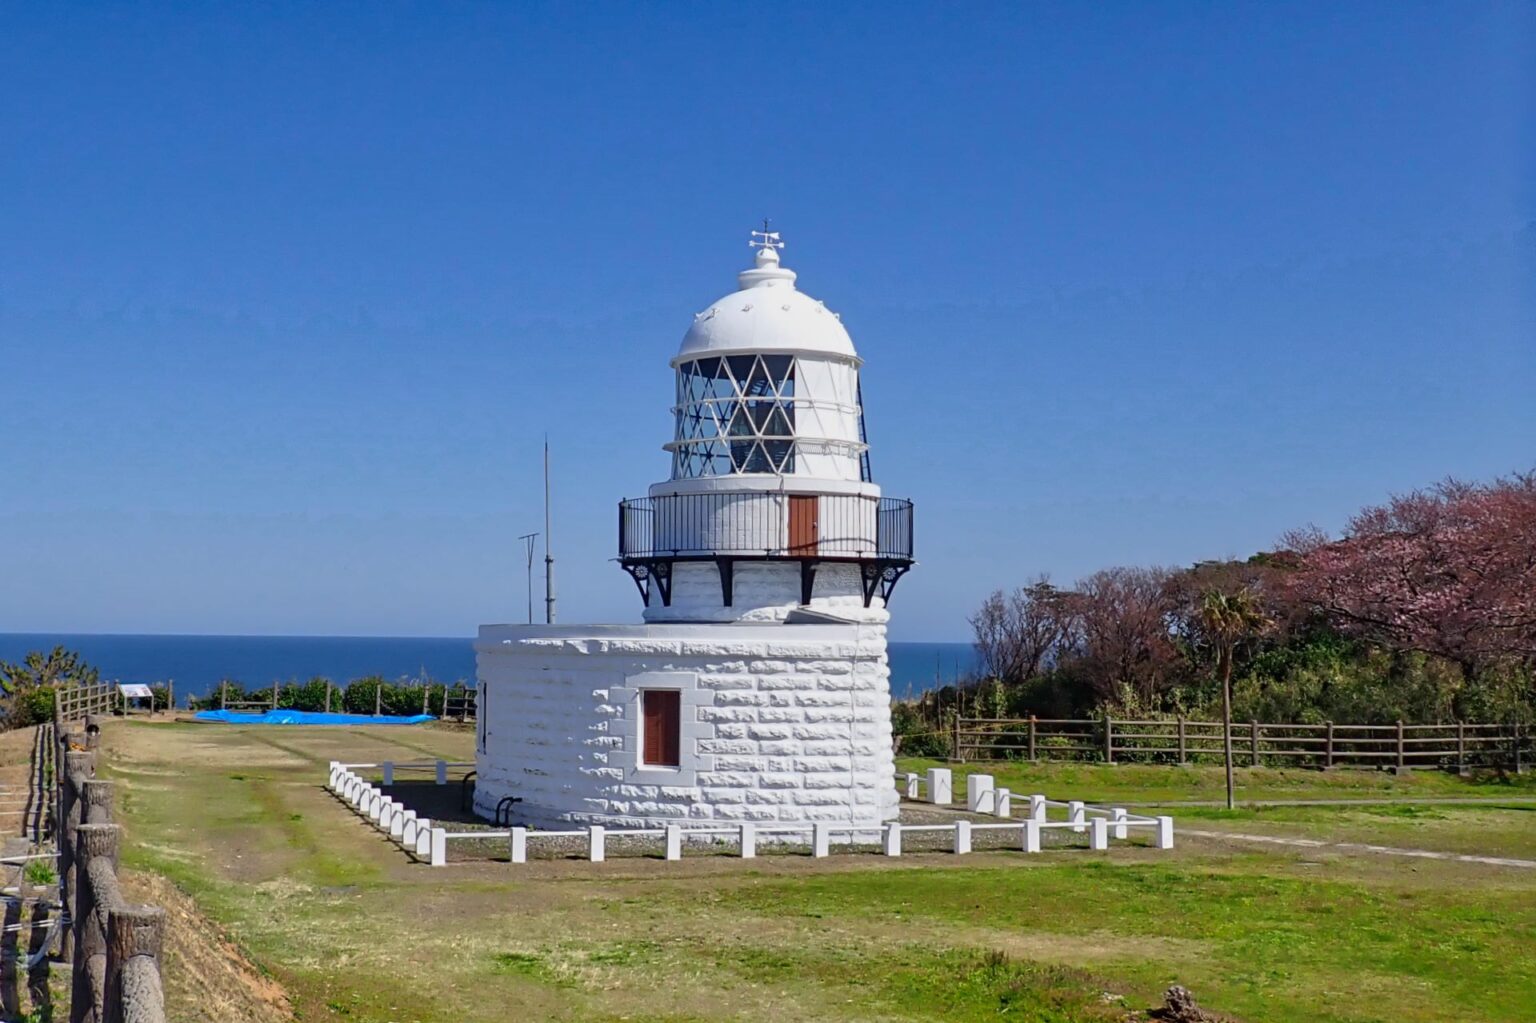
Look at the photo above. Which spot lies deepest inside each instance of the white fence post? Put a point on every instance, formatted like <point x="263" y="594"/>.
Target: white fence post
<point x="1078" y="816"/>
<point x="893" y="838"/>
<point x="519" y="845"/>
<point x="1032" y="836"/>
<point x="979" y="793"/>
<point x="397" y="826"/>
<point x="439" y="847"/>
<point x="912" y="783"/>
<point x="423" y="837"/>
<point x="1165" y="832"/>
<point x="748" y="840"/>
<point x="1099" y="836"/>
<point x="1037" y="808"/>
<point x="962" y="837"/>
<point x="1002" y="803"/>
<point x="595" y="840"/>
<point x="1117" y="817"/>
<point x="940" y="786"/>
<point x="389" y="773"/>
<point x="821" y="839"/>
<point x="674" y="842"/>
<point x="442" y="772"/>
<point x="408" y="834"/>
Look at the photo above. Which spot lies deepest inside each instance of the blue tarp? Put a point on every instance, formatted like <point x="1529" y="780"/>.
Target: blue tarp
<point x="306" y="717"/>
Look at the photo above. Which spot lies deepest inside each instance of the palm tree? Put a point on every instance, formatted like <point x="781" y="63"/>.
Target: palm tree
<point x="1229" y="619"/>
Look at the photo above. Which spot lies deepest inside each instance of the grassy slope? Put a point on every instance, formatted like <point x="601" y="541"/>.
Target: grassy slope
<point x="237" y="818"/>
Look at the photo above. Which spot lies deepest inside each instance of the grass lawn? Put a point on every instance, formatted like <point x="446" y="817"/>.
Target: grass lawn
<point x="238" y="819"/>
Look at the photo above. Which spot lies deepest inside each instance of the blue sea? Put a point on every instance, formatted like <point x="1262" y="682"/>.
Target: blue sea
<point x="199" y="663"/>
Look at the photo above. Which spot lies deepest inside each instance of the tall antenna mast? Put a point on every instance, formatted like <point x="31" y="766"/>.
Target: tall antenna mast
<point x="549" y="559"/>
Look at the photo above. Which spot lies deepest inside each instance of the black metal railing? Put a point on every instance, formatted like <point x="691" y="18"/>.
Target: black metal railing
<point x="756" y="524"/>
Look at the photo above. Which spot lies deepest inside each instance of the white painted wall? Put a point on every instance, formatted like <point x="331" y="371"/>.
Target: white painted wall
<point x="781" y="723"/>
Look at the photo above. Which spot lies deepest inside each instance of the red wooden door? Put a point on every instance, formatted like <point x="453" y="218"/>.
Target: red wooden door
<point x="804" y="524"/>
<point x="662" y="727"/>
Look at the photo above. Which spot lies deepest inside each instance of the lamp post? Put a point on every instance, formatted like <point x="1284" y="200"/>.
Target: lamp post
<point x="528" y="539"/>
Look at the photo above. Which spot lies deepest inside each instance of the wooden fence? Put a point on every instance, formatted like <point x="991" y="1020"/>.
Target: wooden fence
<point x="114" y="946"/>
<point x="76" y="702"/>
<point x="1458" y="746"/>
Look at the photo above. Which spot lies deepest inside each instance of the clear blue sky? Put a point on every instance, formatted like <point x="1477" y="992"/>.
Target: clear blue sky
<point x="289" y="293"/>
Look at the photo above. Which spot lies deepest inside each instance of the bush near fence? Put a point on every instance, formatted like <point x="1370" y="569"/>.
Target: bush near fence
<point x="370" y="695"/>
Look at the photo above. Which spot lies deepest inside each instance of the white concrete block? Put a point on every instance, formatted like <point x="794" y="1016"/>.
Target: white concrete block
<point x="1077" y="815"/>
<point x="893" y="837"/>
<point x="1118" y="818"/>
<point x="423" y="846"/>
<point x="439" y="847"/>
<point x="519" y="845"/>
<point x="674" y="839"/>
<point x="912" y="785"/>
<point x="1037" y="808"/>
<point x="962" y="837"/>
<point x="1031" y="835"/>
<point x="1099" y="834"/>
<point x="1002" y="803"/>
<point x="595" y="843"/>
<point x="1165" y="832"/>
<point x="748" y="838"/>
<point x="940" y="782"/>
<point x="979" y="791"/>
<point x="821" y="839"/>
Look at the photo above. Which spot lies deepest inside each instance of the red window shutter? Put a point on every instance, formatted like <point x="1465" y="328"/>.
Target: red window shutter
<point x="662" y="727"/>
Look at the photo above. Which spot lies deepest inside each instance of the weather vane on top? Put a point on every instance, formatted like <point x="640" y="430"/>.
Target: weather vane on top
<point x="766" y="239"/>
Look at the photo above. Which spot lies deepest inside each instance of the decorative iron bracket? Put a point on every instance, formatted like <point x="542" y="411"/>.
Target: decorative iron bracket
<point x="649" y="573"/>
<point x="881" y="577"/>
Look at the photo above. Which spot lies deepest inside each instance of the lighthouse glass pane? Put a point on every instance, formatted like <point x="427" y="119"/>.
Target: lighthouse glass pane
<point x="745" y="400"/>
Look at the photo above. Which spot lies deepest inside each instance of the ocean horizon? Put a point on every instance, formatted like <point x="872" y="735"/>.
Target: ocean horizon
<point x="198" y="663"/>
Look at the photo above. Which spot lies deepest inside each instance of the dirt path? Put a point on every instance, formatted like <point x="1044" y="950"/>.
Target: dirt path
<point x="1359" y="847"/>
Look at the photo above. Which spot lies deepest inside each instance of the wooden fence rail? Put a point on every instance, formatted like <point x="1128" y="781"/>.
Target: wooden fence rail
<point x="115" y="947"/>
<point x="1458" y="745"/>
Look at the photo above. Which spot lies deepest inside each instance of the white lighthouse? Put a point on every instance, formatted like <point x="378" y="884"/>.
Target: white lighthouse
<point x="758" y="689"/>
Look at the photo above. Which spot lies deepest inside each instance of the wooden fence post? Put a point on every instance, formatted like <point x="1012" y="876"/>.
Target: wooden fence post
<point x="425" y="689"/>
<point x="93" y="842"/>
<point x="223" y="695"/>
<point x="1254" y="732"/>
<point x="1328" y="749"/>
<point x="959" y="753"/>
<point x="77" y="771"/>
<point x="445" y="703"/>
<point x="1461" y="747"/>
<point x="274" y="694"/>
<point x="135" y="935"/>
<point x="170" y="694"/>
<point x="1402" y="764"/>
<point x="1519" y="762"/>
<point x="96" y="802"/>
<point x="1031" y="737"/>
<point x="378" y="698"/>
<point x="1183" y="742"/>
<point x="1109" y="738"/>
<point x="327" y="696"/>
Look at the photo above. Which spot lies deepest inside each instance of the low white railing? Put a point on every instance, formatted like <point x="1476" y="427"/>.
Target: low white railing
<point x="418" y="836"/>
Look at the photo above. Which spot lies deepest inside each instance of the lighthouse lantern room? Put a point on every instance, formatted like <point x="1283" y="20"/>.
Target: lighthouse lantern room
<point x="758" y="687"/>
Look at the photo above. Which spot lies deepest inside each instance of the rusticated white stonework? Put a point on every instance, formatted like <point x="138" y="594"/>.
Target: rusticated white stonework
<point x="781" y="722"/>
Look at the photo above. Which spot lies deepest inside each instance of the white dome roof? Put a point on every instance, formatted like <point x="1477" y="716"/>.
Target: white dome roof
<point x="768" y="314"/>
